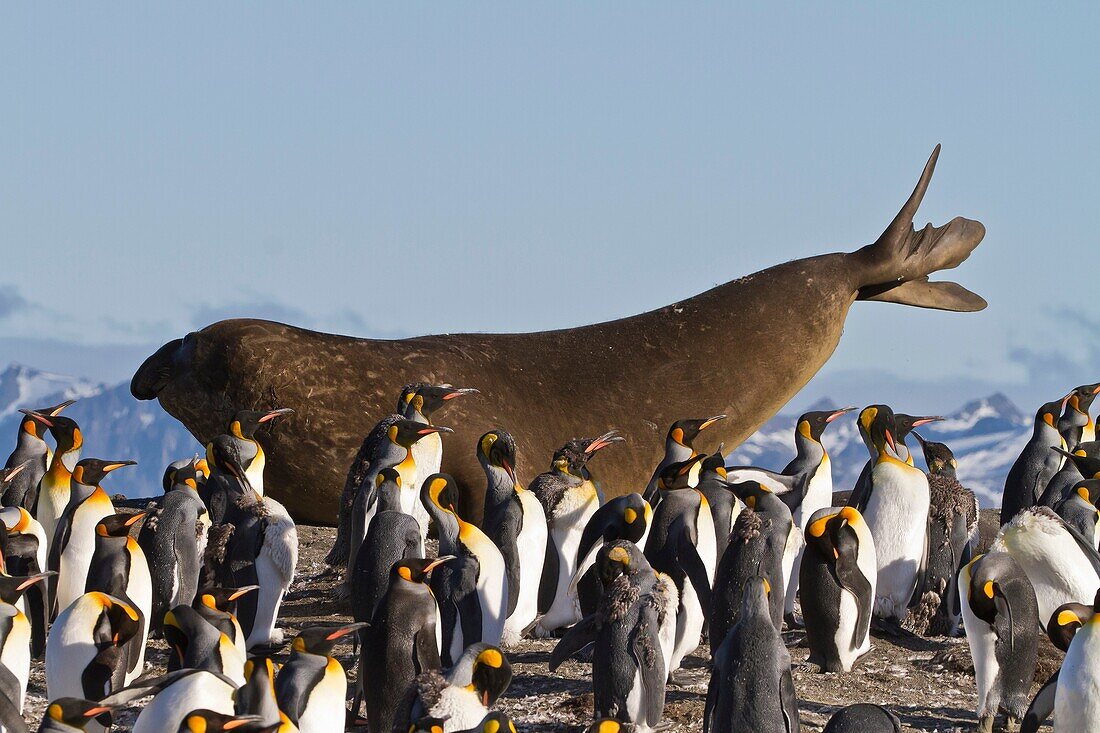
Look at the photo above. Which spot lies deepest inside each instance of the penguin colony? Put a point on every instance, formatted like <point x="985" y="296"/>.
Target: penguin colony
<point x="738" y="555"/>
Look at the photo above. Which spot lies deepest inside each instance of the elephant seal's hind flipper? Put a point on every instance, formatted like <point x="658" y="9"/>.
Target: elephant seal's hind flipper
<point x="897" y="266"/>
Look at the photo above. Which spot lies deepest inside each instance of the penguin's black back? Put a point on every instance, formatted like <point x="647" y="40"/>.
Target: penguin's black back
<point x="392" y="536"/>
<point x="755" y="548"/>
<point x="863" y="718"/>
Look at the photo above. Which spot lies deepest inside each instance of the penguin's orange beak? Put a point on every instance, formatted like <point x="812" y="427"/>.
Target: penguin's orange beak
<point x="345" y="630"/>
<point x="38" y="417"/>
<point x="93" y="712"/>
<point x="891" y="443"/>
<point x="838" y="413"/>
<point x="459" y="393"/>
<point x="508" y="469"/>
<point x="710" y="421"/>
<point x="275" y="413"/>
<point x="429" y="429"/>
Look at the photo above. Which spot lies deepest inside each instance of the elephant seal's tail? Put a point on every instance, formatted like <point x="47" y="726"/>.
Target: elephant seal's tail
<point x="895" y="268"/>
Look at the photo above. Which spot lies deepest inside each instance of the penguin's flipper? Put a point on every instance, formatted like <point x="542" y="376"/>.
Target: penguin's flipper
<point x="688" y="556"/>
<point x="548" y="586"/>
<point x="467" y="601"/>
<point x="38" y="614"/>
<point x="576" y="638"/>
<point x="777" y="483"/>
<point x="852" y="579"/>
<point x="152" y="685"/>
<point x="1041" y="707"/>
<point x="650" y="663"/>
<point x="712" y="695"/>
<point x="426" y="656"/>
<point x="921" y="584"/>
<point x="10" y="718"/>
<point x="508" y="533"/>
<point x="788" y="700"/>
<point x="861" y="492"/>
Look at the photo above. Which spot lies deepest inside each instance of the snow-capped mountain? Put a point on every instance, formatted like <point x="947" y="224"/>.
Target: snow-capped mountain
<point x="113" y="423"/>
<point x="985" y="435"/>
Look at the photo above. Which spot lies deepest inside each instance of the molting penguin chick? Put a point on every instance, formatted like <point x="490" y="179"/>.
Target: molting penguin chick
<point x="952" y="537"/>
<point x="401" y="641"/>
<point x="569" y="498"/>
<point x="839" y="573"/>
<point x="471" y="589"/>
<point x="1036" y="465"/>
<point x="751" y="687"/>
<point x="678" y="447"/>
<point x="462" y="696"/>
<point x="1001" y="618"/>
<point x="516" y="523"/>
<point x="628" y="661"/>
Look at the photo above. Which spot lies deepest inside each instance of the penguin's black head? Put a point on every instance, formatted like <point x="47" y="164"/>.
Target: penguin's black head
<point x="618" y="558"/>
<point x="1086" y="464"/>
<point x="1065" y="621"/>
<point x="877" y="424"/>
<point x="496" y="722"/>
<point x="831" y="533"/>
<point x="387" y="484"/>
<point x="1089" y="490"/>
<point x="750" y="492"/>
<point x="492" y="673"/>
<point x="222" y="599"/>
<point x="406" y="432"/>
<point x="685" y="432"/>
<point x="246" y="422"/>
<point x="208" y="721"/>
<point x="260" y="664"/>
<point x="426" y="399"/>
<point x="636" y="516"/>
<point x="676" y="475"/>
<point x="497" y="449"/>
<point x="713" y="465"/>
<point x="938" y="456"/>
<point x="428" y="724"/>
<point x="985" y="595"/>
<point x="118" y="621"/>
<point x="577" y="452"/>
<point x="812" y="424"/>
<point x="118" y="525"/>
<point x="75" y="712"/>
<point x="417" y="569"/>
<point x="440" y="490"/>
<point x="904" y="424"/>
<point x="1081" y="398"/>
<point x="12" y="587"/>
<point x="322" y="639"/>
<point x="91" y="471"/>
<point x="184" y="473"/>
<point x="33" y="425"/>
<point x="63" y="429"/>
<point x="1048" y="413"/>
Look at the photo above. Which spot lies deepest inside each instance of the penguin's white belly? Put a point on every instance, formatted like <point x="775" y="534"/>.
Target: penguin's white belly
<point x="689" y="626"/>
<point x="16" y="654"/>
<point x="69" y="651"/>
<point x="139" y="589"/>
<point x="428" y="454"/>
<point x="531" y="547"/>
<point x="492" y="588"/>
<point x="706" y="542"/>
<point x="1054" y="564"/>
<point x="635" y="705"/>
<point x="897" y="514"/>
<point x="791" y="552"/>
<point x="568" y="526"/>
<point x="459" y="708"/>
<point x="1077" y="700"/>
<point x="845" y="631"/>
<point x="324" y="709"/>
<point x="52" y="499"/>
<point x="199" y="690"/>
<point x="274" y="572"/>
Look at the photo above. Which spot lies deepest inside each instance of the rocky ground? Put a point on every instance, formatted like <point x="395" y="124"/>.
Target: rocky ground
<point x="926" y="682"/>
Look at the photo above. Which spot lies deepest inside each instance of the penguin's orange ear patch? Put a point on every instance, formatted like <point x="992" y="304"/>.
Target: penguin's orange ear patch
<point x="405" y="573"/>
<point x="491" y="657"/>
<point x="988" y="588"/>
<point x="196" y="724"/>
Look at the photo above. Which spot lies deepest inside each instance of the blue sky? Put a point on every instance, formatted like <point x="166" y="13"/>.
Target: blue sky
<point x="449" y="167"/>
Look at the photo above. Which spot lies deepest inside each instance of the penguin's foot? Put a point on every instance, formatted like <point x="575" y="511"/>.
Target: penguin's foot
<point x="1012" y="724"/>
<point x="510" y="638"/>
<point x="794" y="639"/>
<point x="985" y="724"/>
<point x="541" y="632"/>
<point x="792" y="621"/>
<point x="342" y="592"/>
<point x="678" y="678"/>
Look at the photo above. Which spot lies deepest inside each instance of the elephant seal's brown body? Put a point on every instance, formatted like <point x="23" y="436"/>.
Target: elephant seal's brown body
<point x="744" y="349"/>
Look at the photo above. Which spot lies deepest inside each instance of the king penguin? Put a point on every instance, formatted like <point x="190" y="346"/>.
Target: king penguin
<point x="420" y="402"/>
<point x="175" y="696"/>
<point x="87" y="650"/>
<point x="15" y="637"/>
<point x="626" y="517"/>
<point x="311" y="687"/>
<point x="1001" y="618"/>
<point x="75" y="539"/>
<point x="1075" y="424"/>
<point x="751" y="687"/>
<point x="120" y="570"/>
<point x="400" y="642"/>
<point x="472" y="589"/>
<point x="570" y="498"/>
<point x="628" y="667"/>
<point x="195" y="643"/>
<point x="24" y="552"/>
<point x="838" y="577"/>
<point x="724" y="504"/>
<point x="1063" y="626"/>
<point x="1036" y="465"/>
<point x="256" y="696"/>
<point x="516" y="523"/>
<point x="69" y="714"/>
<point x="679" y="446"/>
<point x="53" y="491"/>
<point x="895" y="507"/>
<point x="1079" y="509"/>
<point x="33" y="454"/>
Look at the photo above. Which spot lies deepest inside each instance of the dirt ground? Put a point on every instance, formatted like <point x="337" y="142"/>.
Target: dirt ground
<point x="925" y="682"/>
